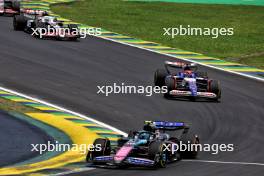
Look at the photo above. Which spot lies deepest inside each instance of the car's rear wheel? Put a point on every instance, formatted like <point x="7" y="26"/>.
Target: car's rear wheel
<point x="214" y="87"/>
<point x="159" y="77"/>
<point x="105" y="149"/>
<point x="174" y="155"/>
<point x="157" y="153"/>
<point x="187" y="139"/>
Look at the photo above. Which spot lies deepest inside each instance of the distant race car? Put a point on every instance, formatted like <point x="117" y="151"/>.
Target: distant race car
<point x="9" y="7"/>
<point x="39" y="24"/>
<point x="188" y="82"/>
<point x="150" y="147"/>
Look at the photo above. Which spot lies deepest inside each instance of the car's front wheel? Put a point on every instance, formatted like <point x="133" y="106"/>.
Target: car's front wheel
<point x="190" y="138"/>
<point x="159" y="77"/>
<point x="105" y="149"/>
<point x="19" y="23"/>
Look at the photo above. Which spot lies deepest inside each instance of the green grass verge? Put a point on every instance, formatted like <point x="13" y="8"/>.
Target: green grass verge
<point x="146" y="20"/>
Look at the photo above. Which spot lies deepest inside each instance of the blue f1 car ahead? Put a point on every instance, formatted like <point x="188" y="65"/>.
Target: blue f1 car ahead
<point x="187" y="83"/>
<point x="150" y="147"/>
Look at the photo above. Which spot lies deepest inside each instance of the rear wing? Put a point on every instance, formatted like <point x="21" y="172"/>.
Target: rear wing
<point x="165" y="125"/>
<point x="180" y="65"/>
<point x="34" y="12"/>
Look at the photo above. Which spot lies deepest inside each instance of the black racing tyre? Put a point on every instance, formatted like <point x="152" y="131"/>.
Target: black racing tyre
<point x="190" y="138"/>
<point x="202" y="74"/>
<point x="214" y="87"/>
<point x="16" y="5"/>
<point x="157" y="153"/>
<point x="170" y="83"/>
<point x="105" y="149"/>
<point x="174" y="155"/>
<point x="159" y="77"/>
<point x="19" y="22"/>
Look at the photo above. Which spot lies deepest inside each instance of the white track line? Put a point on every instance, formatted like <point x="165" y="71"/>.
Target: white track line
<point x="199" y="161"/>
<point x="65" y="110"/>
<point x="210" y="66"/>
<point x="225" y="162"/>
<point x="73" y="172"/>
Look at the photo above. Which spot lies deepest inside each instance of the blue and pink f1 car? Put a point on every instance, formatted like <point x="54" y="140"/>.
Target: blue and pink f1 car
<point x="150" y="147"/>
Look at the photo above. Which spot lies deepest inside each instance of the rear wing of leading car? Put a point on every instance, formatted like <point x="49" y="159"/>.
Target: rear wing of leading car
<point x="34" y="12"/>
<point x="179" y="65"/>
<point x="165" y="125"/>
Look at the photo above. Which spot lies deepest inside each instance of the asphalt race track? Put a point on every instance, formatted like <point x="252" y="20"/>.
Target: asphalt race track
<point x="15" y="138"/>
<point x="68" y="73"/>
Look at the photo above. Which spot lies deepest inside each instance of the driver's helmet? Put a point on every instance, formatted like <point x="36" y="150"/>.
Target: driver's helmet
<point x="144" y="135"/>
<point x="187" y="71"/>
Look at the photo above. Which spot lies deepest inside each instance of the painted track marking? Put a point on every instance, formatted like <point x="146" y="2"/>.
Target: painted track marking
<point x="63" y="109"/>
<point x="73" y="172"/>
<point x="225" y="162"/>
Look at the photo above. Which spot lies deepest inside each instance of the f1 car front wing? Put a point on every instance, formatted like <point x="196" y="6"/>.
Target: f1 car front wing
<point x="129" y="160"/>
<point x="180" y="93"/>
